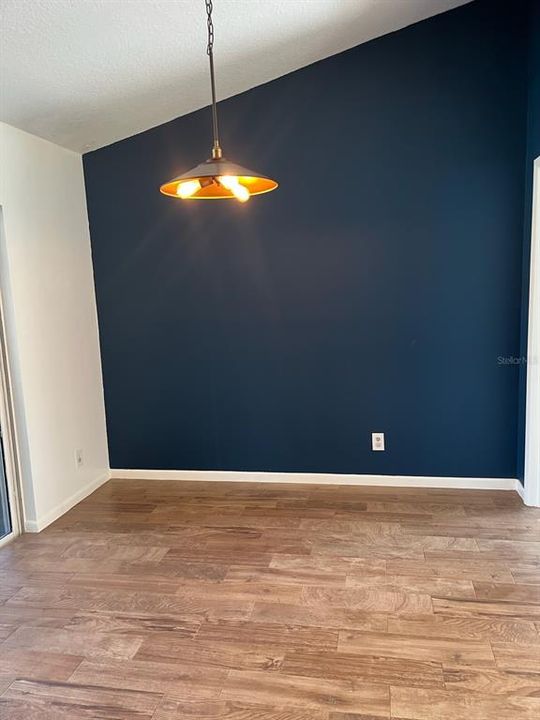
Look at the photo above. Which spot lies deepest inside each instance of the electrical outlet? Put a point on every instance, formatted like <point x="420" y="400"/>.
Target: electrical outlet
<point x="79" y="458"/>
<point x="377" y="441"/>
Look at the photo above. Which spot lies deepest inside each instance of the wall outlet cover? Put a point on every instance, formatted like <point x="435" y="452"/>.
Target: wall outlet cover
<point x="377" y="441"/>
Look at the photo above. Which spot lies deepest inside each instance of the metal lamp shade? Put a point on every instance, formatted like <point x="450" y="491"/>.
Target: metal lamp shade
<point x="208" y="174"/>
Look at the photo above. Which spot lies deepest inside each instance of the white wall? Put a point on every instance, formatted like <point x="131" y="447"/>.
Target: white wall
<point x="48" y="291"/>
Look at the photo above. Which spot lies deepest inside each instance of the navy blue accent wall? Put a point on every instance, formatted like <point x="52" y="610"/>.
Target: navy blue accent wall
<point x="376" y="290"/>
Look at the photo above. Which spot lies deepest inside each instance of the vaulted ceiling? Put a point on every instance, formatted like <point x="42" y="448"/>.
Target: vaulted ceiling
<point x="85" y="73"/>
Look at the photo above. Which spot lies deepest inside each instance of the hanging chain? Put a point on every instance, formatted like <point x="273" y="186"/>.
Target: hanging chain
<point x="210" y="25"/>
<point x="216" y="149"/>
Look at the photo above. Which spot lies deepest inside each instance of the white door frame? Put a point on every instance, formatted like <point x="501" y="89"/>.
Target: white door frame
<point x="9" y="433"/>
<point x="532" y="422"/>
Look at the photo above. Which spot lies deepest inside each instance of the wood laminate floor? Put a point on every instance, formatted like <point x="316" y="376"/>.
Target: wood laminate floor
<point x="184" y="601"/>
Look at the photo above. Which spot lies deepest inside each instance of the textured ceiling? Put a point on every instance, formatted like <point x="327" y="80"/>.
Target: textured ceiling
<point x="85" y="73"/>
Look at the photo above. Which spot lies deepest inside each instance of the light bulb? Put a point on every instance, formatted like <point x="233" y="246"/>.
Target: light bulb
<point x="240" y="192"/>
<point x="188" y="188"/>
<point x="232" y="183"/>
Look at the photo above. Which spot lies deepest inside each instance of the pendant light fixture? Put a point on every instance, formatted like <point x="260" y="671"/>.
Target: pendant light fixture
<point x="217" y="178"/>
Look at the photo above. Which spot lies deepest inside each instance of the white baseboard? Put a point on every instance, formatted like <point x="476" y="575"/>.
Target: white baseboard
<point x="465" y="483"/>
<point x="35" y="526"/>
